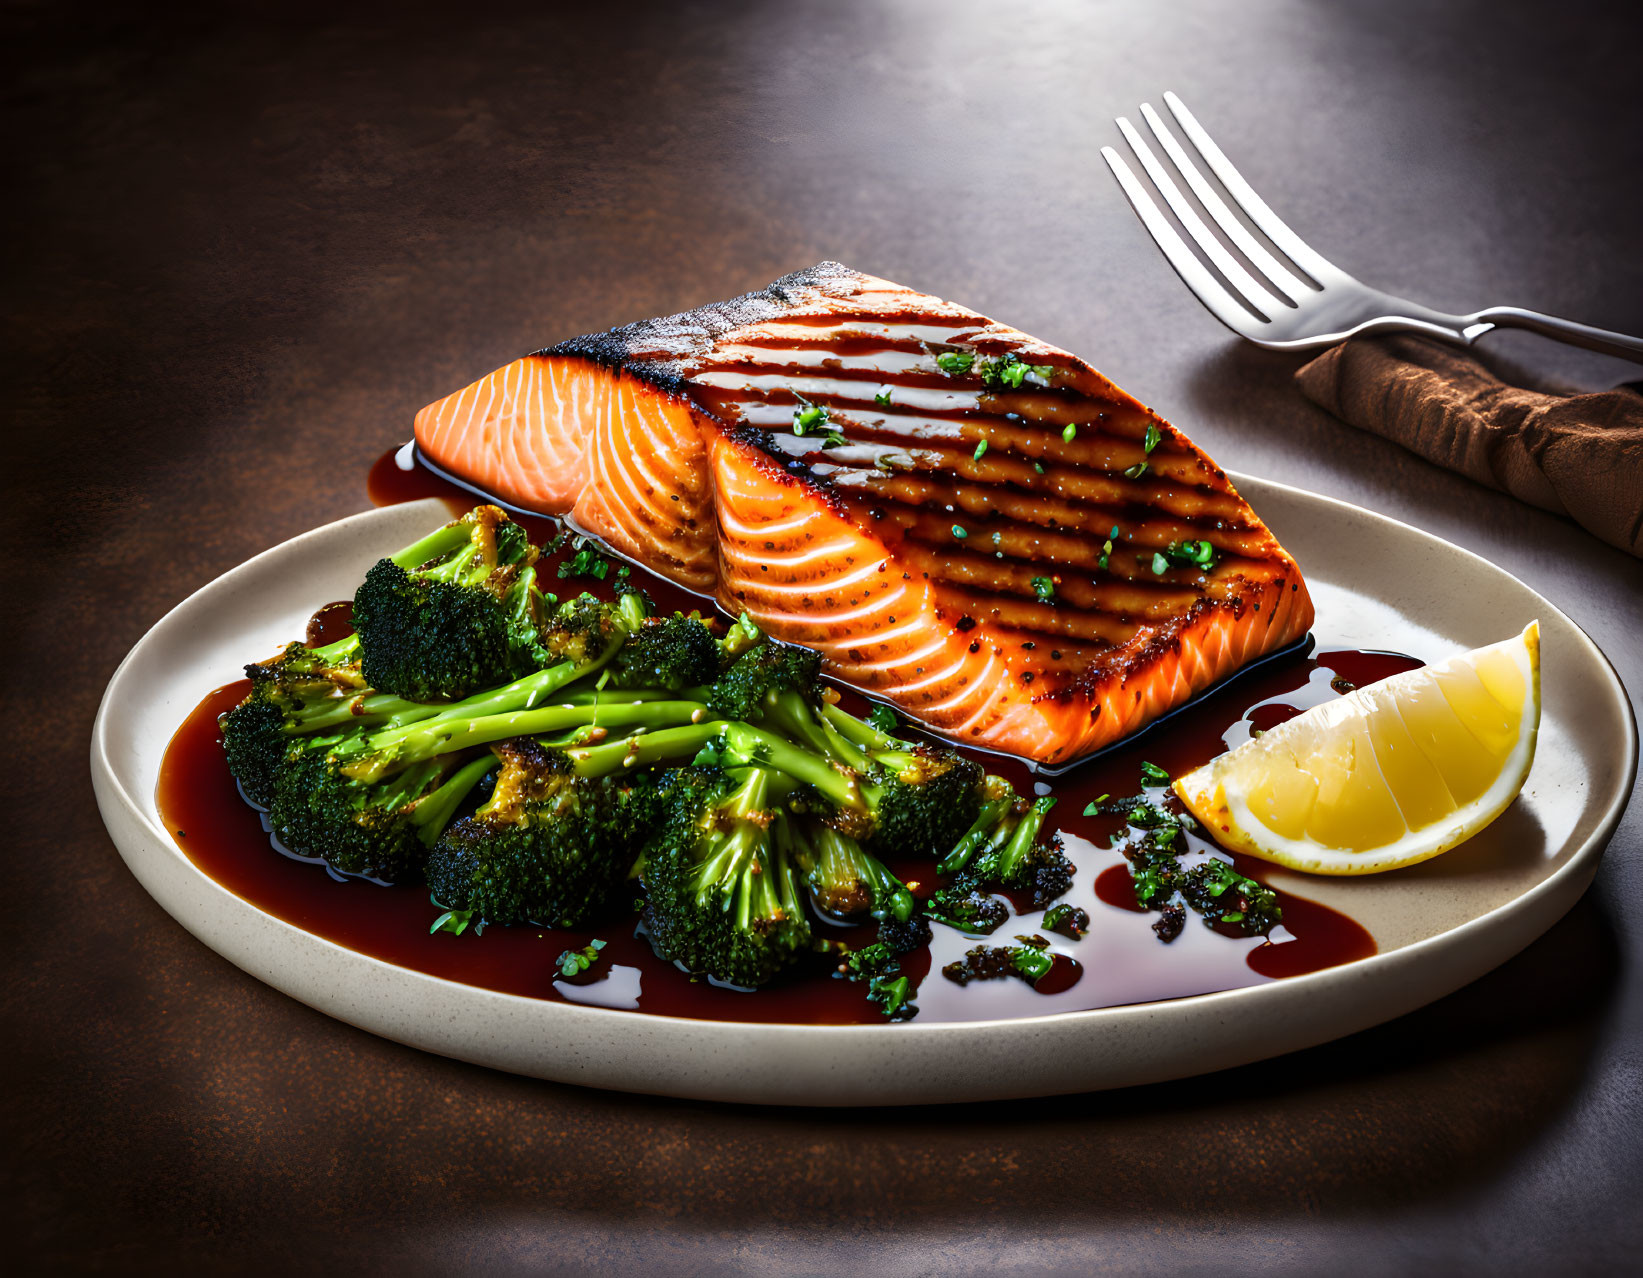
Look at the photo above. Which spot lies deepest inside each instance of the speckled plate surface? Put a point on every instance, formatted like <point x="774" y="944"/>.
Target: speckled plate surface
<point x="1377" y="584"/>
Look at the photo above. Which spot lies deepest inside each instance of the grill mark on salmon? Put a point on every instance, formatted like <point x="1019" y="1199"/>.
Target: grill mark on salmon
<point x="877" y="536"/>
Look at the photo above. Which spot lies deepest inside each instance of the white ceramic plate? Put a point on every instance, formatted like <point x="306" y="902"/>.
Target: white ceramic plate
<point x="1377" y="583"/>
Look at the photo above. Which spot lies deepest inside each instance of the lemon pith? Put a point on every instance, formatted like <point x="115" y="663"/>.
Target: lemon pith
<point x="1392" y="773"/>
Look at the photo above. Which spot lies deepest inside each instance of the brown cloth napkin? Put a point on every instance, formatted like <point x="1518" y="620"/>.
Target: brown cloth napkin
<point x="1579" y="455"/>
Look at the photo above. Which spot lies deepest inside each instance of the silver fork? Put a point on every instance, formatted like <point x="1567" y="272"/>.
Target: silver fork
<point x="1277" y="308"/>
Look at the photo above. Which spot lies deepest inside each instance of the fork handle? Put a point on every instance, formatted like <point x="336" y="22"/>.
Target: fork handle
<point x="1562" y="330"/>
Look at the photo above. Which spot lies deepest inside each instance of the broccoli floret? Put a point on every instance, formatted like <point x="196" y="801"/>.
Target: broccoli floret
<point x="304" y="691"/>
<point x="1009" y="846"/>
<point x="329" y="788"/>
<point x="667" y="653"/>
<point x="926" y="798"/>
<point x="584" y="629"/>
<point x="878" y="965"/>
<point x="548" y="847"/>
<point x="876" y="959"/>
<point x="845" y="879"/>
<point x="891" y="994"/>
<point x="742" y="692"/>
<point x="255" y="740"/>
<point x="722" y="896"/>
<point x="899" y="799"/>
<point x="457" y="611"/>
<point x="965" y="907"/>
<point x="377" y="829"/>
<point x="896" y="798"/>
<point x="994" y="962"/>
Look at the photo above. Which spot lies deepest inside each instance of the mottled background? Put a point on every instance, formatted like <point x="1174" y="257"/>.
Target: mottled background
<point x="244" y="244"/>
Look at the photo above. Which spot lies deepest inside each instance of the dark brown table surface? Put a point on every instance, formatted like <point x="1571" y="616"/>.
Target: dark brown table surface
<point x="240" y="252"/>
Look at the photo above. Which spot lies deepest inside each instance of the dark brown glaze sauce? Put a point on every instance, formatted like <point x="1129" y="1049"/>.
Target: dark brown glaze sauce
<point x="1120" y="961"/>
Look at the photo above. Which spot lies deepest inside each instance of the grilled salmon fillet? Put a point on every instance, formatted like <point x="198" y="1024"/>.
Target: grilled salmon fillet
<point x="967" y="523"/>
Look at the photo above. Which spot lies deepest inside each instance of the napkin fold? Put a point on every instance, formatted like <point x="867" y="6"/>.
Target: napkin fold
<point x="1579" y="455"/>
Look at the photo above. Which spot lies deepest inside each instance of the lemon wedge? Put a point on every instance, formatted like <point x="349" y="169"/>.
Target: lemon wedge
<point x="1390" y="774"/>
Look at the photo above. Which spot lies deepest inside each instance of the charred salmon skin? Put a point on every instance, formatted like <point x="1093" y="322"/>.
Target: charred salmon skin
<point x="967" y="523"/>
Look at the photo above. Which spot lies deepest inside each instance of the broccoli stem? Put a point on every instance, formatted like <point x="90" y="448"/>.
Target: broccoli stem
<point x="521" y="598"/>
<point x="436" y="545"/>
<point x="858" y="733"/>
<point x="980" y="834"/>
<point x="731" y="868"/>
<point x="793" y="715"/>
<point x="377" y="709"/>
<point x="339" y="653"/>
<point x="751" y="866"/>
<point x="434" y="813"/>
<point x="381" y="752"/>
<point x="768" y="749"/>
<point x="619" y="696"/>
<point x="521" y="694"/>
<point x="631" y="610"/>
<point x="652" y="747"/>
<point x="1026" y="832"/>
<point x="842" y="862"/>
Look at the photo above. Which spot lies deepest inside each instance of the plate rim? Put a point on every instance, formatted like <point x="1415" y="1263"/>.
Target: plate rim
<point x="1580" y="864"/>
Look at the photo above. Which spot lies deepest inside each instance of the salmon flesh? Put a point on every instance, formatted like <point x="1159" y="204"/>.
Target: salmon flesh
<point x="967" y="523"/>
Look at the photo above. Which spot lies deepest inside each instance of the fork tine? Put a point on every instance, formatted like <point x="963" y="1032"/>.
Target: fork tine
<point x="1205" y="286"/>
<point x="1240" y="279"/>
<point x="1272" y="226"/>
<point x="1276" y="273"/>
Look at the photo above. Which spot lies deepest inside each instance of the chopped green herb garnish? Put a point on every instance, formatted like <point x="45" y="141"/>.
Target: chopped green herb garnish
<point x="1135" y="471"/>
<point x="1160" y="565"/>
<point x="808" y="417"/>
<point x="1039" y="467"/>
<point x="835" y="439"/>
<point x="1069" y="431"/>
<point x="883" y="718"/>
<point x="959" y="532"/>
<point x="456" y="922"/>
<point x="882" y="399"/>
<point x="1190" y="554"/>
<point x="1044" y="588"/>
<point x="1033" y="962"/>
<point x="1153" y="436"/>
<point x="586" y="562"/>
<point x="981" y="449"/>
<point x="1011" y="371"/>
<point x="575" y="962"/>
<point x="955" y="361"/>
<point x="1154" y="846"/>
